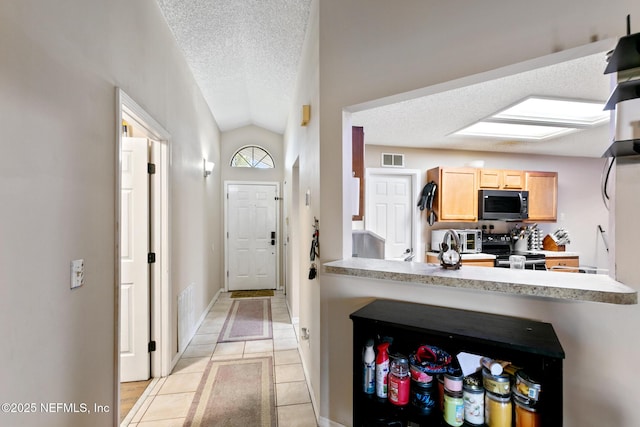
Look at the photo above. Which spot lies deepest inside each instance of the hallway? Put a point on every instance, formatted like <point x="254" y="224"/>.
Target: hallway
<point x="166" y="401"/>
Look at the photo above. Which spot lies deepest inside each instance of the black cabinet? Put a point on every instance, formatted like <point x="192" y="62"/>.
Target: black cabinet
<point x="529" y="344"/>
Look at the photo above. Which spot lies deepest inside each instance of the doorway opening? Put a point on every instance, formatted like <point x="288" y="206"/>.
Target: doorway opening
<point x="142" y="249"/>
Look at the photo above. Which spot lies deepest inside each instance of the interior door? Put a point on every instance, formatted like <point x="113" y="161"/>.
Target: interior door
<point x="390" y="212"/>
<point x="252" y="232"/>
<point x="134" y="268"/>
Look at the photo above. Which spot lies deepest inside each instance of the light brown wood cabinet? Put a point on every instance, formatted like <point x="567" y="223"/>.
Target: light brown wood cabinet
<point x="543" y="195"/>
<point x="476" y="262"/>
<point x="357" y="161"/>
<point x="501" y="179"/>
<point x="567" y="264"/>
<point x="457" y="195"/>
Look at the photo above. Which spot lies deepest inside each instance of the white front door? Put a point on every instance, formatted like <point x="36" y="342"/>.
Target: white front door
<point x="134" y="268"/>
<point x="251" y="236"/>
<point x="390" y="212"/>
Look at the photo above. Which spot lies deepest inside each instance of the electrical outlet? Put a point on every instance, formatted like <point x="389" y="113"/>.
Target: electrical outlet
<point x="77" y="273"/>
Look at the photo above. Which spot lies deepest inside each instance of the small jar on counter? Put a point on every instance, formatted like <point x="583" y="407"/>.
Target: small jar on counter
<point x="527" y="414"/>
<point x="453" y="408"/>
<point x="497" y="410"/>
<point x="473" y="397"/>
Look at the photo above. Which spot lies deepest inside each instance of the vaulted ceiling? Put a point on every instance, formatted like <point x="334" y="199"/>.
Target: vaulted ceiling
<point x="244" y="55"/>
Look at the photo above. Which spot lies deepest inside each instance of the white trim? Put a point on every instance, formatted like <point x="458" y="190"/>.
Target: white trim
<point x="226" y="228"/>
<point x="160" y="298"/>
<point x="416" y="241"/>
<point x="326" y="422"/>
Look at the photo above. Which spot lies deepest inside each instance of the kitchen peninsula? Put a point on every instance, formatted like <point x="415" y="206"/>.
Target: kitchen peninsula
<point x="546" y="284"/>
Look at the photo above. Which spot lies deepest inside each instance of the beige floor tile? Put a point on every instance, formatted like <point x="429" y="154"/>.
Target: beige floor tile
<point x="257" y="355"/>
<point x="284" y="333"/>
<point x="229" y="348"/>
<point x="190" y="365"/>
<point x="209" y="329"/>
<point x="292" y="393"/>
<point x="259" y="346"/>
<point x="181" y="383"/>
<point x="287" y="357"/>
<point x="157" y="386"/>
<point x="168" y="406"/>
<point x="174" y="422"/>
<point x="205" y="350"/>
<point x="202" y="339"/>
<point x="289" y="373"/>
<point x="285" y="344"/>
<point x="142" y="410"/>
<point x="296" y="416"/>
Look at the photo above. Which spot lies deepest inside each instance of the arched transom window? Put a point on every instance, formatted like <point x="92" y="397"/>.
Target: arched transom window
<point x="252" y="156"/>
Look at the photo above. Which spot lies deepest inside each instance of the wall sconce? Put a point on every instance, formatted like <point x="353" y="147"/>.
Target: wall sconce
<point x="208" y="167"/>
<point x="306" y="115"/>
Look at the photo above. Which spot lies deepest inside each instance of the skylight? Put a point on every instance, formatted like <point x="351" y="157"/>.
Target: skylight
<point x="538" y="118"/>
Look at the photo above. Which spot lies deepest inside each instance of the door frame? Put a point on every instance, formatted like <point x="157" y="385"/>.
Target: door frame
<point x="226" y="227"/>
<point x="160" y="294"/>
<point x="414" y="174"/>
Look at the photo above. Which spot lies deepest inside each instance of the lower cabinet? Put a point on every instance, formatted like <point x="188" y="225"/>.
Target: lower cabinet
<point x="567" y="264"/>
<point x="477" y="262"/>
<point x="530" y="345"/>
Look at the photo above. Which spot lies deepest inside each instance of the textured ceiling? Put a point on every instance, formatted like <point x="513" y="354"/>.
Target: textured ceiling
<point x="428" y="121"/>
<point x="244" y="55"/>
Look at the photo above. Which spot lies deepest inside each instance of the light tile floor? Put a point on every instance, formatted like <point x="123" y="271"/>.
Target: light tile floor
<point x="167" y="400"/>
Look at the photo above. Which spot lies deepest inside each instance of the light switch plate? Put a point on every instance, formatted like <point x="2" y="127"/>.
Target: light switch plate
<point x="77" y="273"/>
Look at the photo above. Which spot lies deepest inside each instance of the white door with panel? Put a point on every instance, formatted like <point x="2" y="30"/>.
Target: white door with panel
<point x="390" y="212"/>
<point x="251" y="236"/>
<point x="134" y="267"/>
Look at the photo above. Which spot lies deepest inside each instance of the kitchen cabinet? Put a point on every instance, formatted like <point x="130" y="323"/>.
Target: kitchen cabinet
<point x="501" y="179"/>
<point x="457" y="195"/>
<point x="357" y="162"/>
<point x="543" y="195"/>
<point x="432" y="258"/>
<point x="529" y="344"/>
<point x="567" y="264"/>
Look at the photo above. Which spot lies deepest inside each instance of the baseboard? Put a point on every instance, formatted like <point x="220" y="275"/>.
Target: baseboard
<point x="325" y="422"/>
<point x="203" y="316"/>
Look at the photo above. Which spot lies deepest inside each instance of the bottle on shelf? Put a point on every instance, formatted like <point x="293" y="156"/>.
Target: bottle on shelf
<point x="382" y="370"/>
<point x="368" y="366"/>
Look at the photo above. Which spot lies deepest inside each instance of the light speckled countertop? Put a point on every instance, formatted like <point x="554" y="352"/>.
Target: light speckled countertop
<point x="550" y="284"/>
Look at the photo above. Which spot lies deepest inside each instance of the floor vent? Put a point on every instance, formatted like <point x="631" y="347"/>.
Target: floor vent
<point x="185" y="317"/>
<point x="392" y="160"/>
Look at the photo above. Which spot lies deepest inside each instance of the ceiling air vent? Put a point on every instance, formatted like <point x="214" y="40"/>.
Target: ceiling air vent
<point x="391" y="160"/>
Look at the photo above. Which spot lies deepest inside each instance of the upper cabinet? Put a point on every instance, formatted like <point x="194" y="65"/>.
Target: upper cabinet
<point x="457" y="194"/>
<point x="501" y="179"/>
<point x="543" y="195"/>
<point x="456" y="197"/>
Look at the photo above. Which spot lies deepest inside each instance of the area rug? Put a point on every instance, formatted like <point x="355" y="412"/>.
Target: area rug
<point x="252" y="294"/>
<point x="235" y="393"/>
<point x="248" y="320"/>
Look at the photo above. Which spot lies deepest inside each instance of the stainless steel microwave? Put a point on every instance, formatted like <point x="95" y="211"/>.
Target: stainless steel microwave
<point x="470" y="240"/>
<point x="507" y="205"/>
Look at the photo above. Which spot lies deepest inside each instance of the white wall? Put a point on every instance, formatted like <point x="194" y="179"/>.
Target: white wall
<point x="373" y="48"/>
<point x="61" y="64"/>
<point x="580" y="206"/>
<point x="302" y="175"/>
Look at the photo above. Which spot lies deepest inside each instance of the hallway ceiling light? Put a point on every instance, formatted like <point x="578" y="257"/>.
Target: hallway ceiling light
<point x="539" y="118"/>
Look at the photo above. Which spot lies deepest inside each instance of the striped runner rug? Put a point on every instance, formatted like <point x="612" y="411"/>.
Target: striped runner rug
<point x="235" y="393"/>
<point x="247" y="320"/>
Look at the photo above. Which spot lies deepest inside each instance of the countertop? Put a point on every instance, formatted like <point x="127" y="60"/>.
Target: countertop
<point x="549" y="284"/>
